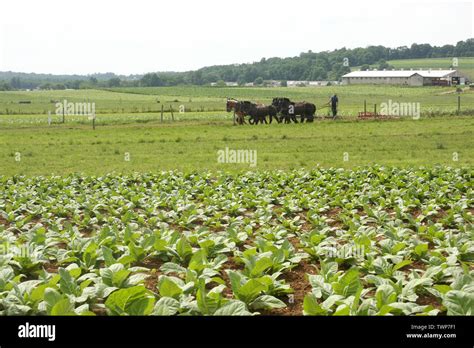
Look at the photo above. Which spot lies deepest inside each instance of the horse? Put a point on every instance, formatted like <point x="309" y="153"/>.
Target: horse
<point x="233" y="104"/>
<point x="306" y="111"/>
<point x="256" y="112"/>
<point x="259" y="112"/>
<point x="284" y="108"/>
<point x="289" y="110"/>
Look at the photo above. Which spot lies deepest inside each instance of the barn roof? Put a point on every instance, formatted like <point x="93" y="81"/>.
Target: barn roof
<point x="400" y="73"/>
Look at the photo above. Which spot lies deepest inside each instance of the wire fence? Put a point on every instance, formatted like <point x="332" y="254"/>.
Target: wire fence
<point x="457" y="105"/>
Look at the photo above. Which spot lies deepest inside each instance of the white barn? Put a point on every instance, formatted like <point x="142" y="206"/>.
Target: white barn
<point x="400" y="77"/>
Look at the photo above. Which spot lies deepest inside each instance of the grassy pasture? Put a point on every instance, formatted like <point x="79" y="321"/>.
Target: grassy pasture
<point x="192" y="142"/>
<point x="123" y="101"/>
<point x="465" y="64"/>
<point x="193" y="145"/>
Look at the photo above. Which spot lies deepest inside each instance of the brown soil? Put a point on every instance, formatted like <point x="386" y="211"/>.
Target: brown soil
<point x="370" y="294"/>
<point x="441" y="214"/>
<point x="61" y="245"/>
<point x="37" y="220"/>
<point x="101" y="312"/>
<point x="306" y="226"/>
<point x="151" y="263"/>
<point x="244" y="243"/>
<point x="333" y="212"/>
<point x="51" y="267"/>
<point x="154" y="266"/>
<point x="87" y="232"/>
<point x="151" y="281"/>
<point x="3" y="221"/>
<point x="298" y="281"/>
<point x="176" y="227"/>
<point x="232" y="265"/>
<point x="295" y="241"/>
<point x="333" y="215"/>
<point x="415" y="212"/>
<point x="428" y="300"/>
<point x="415" y="265"/>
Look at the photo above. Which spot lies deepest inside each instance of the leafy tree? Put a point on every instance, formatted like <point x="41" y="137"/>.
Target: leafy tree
<point x="5" y="86"/>
<point x="317" y="73"/>
<point x="15" y="82"/>
<point x="151" y="80"/>
<point x="258" y="81"/>
<point x="382" y="64"/>
<point x="306" y="66"/>
<point x="196" y="77"/>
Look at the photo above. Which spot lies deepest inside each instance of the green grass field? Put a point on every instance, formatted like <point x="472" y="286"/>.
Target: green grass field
<point x="464" y="64"/>
<point x="193" y="145"/>
<point x="135" y="101"/>
<point x="191" y="142"/>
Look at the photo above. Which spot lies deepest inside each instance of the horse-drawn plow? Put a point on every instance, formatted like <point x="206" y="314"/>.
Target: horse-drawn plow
<point x="281" y="109"/>
<point x="366" y="115"/>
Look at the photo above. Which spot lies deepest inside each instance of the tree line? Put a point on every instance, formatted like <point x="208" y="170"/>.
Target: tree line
<point x="328" y="65"/>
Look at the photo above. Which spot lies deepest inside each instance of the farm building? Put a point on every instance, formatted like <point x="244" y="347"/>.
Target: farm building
<point x="402" y="77"/>
<point x="311" y="83"/>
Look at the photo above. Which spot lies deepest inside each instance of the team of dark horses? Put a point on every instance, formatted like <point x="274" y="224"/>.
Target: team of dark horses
<point x="281" y="109"/>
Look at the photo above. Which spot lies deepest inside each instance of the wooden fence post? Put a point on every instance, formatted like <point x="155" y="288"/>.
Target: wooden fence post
<point x="161" y="113"/>
<point x="459" y="104"/>
<point x="172" y="115"/>
<point x="365" y="106"/>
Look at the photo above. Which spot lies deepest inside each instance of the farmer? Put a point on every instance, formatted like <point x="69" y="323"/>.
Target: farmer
<point x="334" y="102"/>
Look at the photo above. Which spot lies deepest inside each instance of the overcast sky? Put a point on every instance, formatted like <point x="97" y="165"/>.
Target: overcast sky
<point x="125" y="37"/>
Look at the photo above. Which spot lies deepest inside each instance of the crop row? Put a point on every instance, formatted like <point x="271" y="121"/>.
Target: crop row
<point x="371" y="241"/>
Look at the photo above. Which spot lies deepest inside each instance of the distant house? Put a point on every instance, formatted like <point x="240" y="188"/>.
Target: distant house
<point x="272" y="83"/>
<point x="296" y="83"/>
<point x="322" y="83"/>
<point x="228" y="84"/>
<point x="401" y="77"/>
<point x="311" y="83"/>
